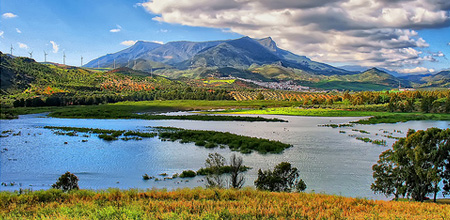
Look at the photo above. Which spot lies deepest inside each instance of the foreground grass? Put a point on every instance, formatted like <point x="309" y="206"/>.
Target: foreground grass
<point x="206" y="204"/>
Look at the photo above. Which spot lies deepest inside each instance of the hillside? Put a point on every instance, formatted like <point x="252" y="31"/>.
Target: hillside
<point x="239" y="53"/>
<point x="12" y="78"/>
<point x="206" y="204"/>
<point x="441" y="79"/>
<point x="377" y="76"/>
<point x="24" y="74"/>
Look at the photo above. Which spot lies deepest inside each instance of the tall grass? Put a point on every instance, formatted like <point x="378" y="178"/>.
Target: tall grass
<point x="206" y="204"/>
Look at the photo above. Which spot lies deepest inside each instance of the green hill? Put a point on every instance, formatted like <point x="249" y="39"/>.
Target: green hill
<point x="26" y="77"/>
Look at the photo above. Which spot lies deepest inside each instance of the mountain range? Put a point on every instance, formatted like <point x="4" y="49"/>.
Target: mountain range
<point x="239" y="53"/>
<point x="247" y="58"/>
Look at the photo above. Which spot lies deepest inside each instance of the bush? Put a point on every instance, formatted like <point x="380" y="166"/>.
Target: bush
<point x="284" y="178"/>
<point x="188" y="173"/>
<point x="66" y="182"/>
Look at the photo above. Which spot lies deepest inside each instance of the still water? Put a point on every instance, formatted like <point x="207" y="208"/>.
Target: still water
<point x="329" y="160"/>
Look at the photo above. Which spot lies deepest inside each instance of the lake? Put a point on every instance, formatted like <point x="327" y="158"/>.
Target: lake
<point x="329" y="161"/>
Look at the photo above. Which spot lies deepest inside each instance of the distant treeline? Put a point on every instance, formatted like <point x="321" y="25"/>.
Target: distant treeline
<point x="65" y="99"/>
<point x="408" y="101"/>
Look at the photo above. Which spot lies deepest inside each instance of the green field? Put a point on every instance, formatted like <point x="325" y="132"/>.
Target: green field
<point x="125" y="110"/>
<point x="295" y="111"/>
<point x="129" y="109"/>
<point x="378" y="117"/>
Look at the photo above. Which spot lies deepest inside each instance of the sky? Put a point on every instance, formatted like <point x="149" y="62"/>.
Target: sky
<point x="407" y="36"/>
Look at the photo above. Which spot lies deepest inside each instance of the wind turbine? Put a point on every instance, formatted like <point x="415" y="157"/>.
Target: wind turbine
<point x="114" y="67"/>
<point x="45" y="56"/>
<point x="31" y="54"/>
<point x="12" y="48"/>
<point x="81" y="60"/>
<point x="64" y="58"/>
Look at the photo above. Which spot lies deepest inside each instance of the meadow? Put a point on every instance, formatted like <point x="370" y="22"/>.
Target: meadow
<point x="377" y="117"/>
<point x="202" y="203"/>
<point x="148" y="109"/>
<point x="128" y="109"/>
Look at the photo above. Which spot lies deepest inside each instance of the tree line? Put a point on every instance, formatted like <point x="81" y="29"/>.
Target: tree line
<point x="65" y="99"/>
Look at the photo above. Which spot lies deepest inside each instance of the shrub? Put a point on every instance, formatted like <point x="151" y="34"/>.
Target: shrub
<point x="284" y="178"/>
<point x="188" y="173"/>
<point x="66" y="182"/>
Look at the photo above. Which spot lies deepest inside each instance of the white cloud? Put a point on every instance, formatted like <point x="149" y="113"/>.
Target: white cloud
<point x="1" y="34"/>
<point x="364" y="32"/>
<point x="9" y="15"/>
<point x="438" y="54"/>
<point x="158" y="42"/>
<point x="448" y="43"/>
<point x="128" y="42"/>
<point x="417" y="70"/>
<point x="163" y="30"/>
<point x="22" y="45"/>
<point x="115" y="30"/>
<point x="18" y="31"/>
<point x="55" y="46"/>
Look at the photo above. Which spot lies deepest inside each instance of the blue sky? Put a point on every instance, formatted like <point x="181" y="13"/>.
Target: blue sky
<point x="410" y="36"/>
<point x="83" y="28"/>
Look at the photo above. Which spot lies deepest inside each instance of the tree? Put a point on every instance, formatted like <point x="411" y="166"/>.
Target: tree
<point x="387" y="176"/>
<point x="415" y="165"/>
<point x="66" y="182"/>
<point x="284" y="178"/>
<point x="236" y="177"/>
<point x="215" y="162"/>
<point x="260" y="96"/>
<point x="447" y="104"/>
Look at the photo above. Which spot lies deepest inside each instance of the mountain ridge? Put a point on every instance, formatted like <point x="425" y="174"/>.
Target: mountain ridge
<point x="237" y="53"/>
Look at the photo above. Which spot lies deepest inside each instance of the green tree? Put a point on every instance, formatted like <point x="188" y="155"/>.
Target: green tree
<point x="284" y="178"/>
<point x="447" y="104"/>
<point x="260" y="96"/>
<point x="426" y="104"/>
<point x="66" y="182"/>
<point x="415" y="165"/>
<point x="387" y="175"/>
